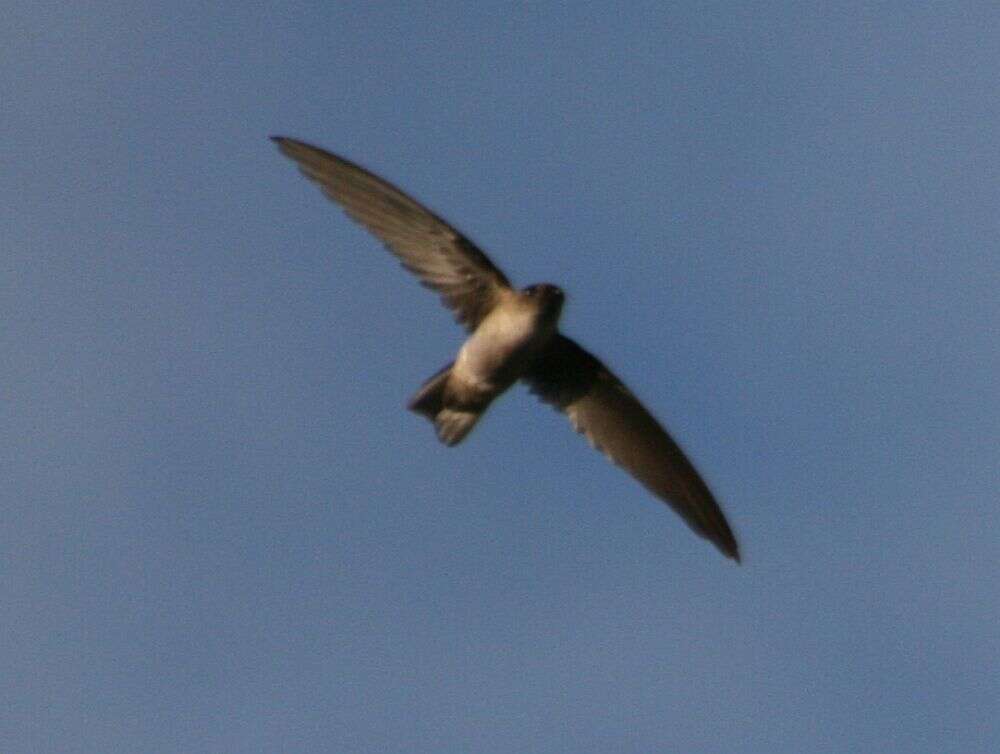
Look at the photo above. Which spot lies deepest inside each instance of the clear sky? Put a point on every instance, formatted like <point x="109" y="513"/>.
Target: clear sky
<point x="222" y="531"/>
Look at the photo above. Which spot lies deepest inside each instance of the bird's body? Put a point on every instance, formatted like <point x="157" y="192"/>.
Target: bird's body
<point x="495" y="356"/>
<point x="499" y="350"/>
<point x="513" y="335"/>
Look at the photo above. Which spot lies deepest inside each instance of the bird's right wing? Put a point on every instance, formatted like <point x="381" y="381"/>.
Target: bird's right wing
<point x="617" y="424"/>
<point x="443" y="259"/>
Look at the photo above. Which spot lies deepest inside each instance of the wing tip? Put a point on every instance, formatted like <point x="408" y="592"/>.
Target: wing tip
<point x="733" y="553"/>
<point x="294" y="148"/>
<point x="720" y="534"/>
<point x="285" y="143"/>
<point x="725" y="541"/>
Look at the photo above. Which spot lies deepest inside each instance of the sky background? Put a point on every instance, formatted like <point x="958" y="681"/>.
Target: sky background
<point x="221" y="530"/>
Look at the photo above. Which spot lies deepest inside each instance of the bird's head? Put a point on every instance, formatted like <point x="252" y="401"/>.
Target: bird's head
<point x="550" y="299"/>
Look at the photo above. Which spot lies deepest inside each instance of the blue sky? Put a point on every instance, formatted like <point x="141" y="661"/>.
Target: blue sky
<point x="223" y="532"/>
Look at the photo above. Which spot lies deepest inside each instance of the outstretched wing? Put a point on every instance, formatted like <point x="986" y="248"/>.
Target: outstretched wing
<point x="443" y="259"/>
<point x="617" y="424"/>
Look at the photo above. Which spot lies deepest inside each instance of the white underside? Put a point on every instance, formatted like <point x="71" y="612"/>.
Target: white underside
<point x="504" y="334"/>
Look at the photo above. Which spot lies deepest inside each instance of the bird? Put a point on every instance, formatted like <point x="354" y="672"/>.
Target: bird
<point x="513" y="335"/>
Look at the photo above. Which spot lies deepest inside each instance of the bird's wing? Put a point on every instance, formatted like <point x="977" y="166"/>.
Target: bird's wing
<point x="443" y="259"/>
<point x="617" y="424"/>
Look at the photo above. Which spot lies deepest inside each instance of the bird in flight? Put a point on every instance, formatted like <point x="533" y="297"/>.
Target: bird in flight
<point x="513" y="335"/>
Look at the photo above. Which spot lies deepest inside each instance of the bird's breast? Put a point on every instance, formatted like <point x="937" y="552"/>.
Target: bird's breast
<point x="501" y="347"/>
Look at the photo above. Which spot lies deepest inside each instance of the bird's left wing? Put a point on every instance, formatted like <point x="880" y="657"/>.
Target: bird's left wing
<point x="444" y="260"/>
<point x="617" y="424"/>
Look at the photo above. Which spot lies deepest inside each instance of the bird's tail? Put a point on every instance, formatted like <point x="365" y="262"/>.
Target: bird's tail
<point x="452" y="421"/>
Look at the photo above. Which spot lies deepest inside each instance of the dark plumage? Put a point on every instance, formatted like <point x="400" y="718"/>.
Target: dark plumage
<point x="513" y="335"/>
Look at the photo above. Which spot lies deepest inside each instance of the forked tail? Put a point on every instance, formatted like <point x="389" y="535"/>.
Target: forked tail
<point x="451" y="420"/>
